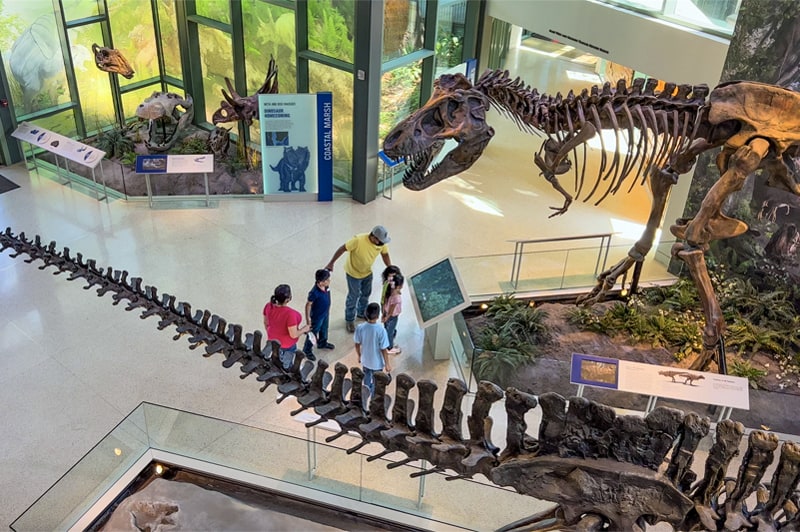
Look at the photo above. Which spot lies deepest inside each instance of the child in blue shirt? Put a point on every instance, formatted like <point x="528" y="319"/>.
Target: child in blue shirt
<point x="372" y="344"/>
<point x="318" y="308"/>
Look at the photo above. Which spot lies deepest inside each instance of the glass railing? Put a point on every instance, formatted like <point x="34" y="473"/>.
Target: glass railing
<point x="556" y="265"/>
<point x="293" y="463"/>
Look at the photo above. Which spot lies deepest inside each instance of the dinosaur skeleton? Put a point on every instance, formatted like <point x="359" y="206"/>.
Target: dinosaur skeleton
<point x="164" y="109"/>
<point x="604" y="471"/>
<point x="245" y="108"/>
<point x="112" y="61"/>
<point x="754" y="123"/>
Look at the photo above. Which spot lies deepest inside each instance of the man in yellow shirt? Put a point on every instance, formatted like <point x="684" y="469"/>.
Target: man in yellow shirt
<point x="362" y="250"/>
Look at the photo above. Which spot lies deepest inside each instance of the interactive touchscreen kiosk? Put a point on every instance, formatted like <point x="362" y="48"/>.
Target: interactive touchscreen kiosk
<point x="437" y="294"/>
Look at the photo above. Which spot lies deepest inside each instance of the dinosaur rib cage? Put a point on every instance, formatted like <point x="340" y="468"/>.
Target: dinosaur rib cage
<point x="585" y="455"/>
<point x="667" y="121"/>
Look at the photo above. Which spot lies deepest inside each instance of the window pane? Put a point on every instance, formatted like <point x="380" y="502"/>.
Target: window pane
<point x="94" y="87"/>
<point x="215" y="59"/>
<point x="716" y="16"/>
<point x="268" y="31"/>
<point x="324" y="78"/>
<point x="399" y="95"/>
<point x="78" y="9"/>
<point x="330" y="28"/>
<point x="719" y="15"/>
<point x="402" y="28"/>
<point x="168" y="23"/>
<point x="134" y="35"/>
<point x="32" y="56"/>
<point x="450" y="34"/>
<point x="214" y="9"/>
<point x="63" y="122"/>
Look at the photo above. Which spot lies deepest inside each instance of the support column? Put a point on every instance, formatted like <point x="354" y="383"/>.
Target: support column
<point x="366" y="98"/>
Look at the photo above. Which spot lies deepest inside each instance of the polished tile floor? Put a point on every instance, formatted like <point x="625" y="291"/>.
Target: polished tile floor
<point x="72" y="365"/>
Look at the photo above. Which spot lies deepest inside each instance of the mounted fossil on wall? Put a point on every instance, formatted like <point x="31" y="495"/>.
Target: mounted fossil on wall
<point x="112" y="61"/>
<point x="245" y="108"/>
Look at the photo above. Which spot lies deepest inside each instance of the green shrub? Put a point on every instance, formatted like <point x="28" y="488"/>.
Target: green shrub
<point x="511" y="338"/>
<point x="115" y="142"/>
<point x="743" y="368"/>
<point x="191" y="146"/>
<point x="498" y="365"/>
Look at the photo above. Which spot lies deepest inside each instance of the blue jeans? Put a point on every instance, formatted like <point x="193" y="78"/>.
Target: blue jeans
<point x="358" y="292"/>
<point x="287" y="356"/>
<point x="369" y="380"/>
<point x="319" y="326"/>
<point x="391" y="329"/>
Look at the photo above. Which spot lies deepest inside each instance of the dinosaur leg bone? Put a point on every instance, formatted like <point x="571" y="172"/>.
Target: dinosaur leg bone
<point x="709" y="223"/>
<point x="715" y="323"/>
<point x="661" y="181"/>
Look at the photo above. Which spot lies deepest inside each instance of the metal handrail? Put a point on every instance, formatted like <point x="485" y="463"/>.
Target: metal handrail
<point x="519" y="245"/>
<point x="388" y="168"/>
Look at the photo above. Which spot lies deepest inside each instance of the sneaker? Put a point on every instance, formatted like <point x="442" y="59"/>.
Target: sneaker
<point x="351" y="327"/>
<point x="395" y="351"/>
<point x="326" y="345"/>
<point x="310" y="356"/>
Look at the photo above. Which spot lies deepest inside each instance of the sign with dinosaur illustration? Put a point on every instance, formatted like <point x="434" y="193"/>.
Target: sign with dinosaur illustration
<point x="660" y="381"/>
<point x="297" y="144"/>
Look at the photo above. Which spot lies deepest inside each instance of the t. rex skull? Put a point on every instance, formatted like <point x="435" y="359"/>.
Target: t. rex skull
<point x="111" y="60"/>
<point x="455" y="111"/>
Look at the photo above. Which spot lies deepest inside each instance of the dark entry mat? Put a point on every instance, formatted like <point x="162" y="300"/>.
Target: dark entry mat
<point x="6" y="185"/>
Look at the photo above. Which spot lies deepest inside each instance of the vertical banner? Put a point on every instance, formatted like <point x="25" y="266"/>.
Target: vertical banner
<point x="297" y="145"/>
<point x="325" y="149"/>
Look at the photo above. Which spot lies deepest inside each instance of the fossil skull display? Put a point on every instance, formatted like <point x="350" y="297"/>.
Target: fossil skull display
<point x="111" y="60"/>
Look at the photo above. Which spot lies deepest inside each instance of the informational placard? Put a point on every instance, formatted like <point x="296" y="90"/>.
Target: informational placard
<point x="661" y="381"/>
<point x="437" y="292"/>
<point x="175" y="164"/>
<point x="297" y="144"/>
<point x="60" y="145"/>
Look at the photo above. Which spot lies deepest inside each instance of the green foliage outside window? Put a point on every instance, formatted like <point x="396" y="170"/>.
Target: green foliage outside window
<point x="400" y="96"/>
<point x="328" y="30"/>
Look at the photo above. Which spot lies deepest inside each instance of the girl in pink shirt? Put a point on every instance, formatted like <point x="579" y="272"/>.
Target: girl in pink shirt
<point x="391" y="310"/>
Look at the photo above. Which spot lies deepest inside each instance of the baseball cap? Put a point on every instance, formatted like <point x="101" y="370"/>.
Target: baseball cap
<point x="381" y="234"/>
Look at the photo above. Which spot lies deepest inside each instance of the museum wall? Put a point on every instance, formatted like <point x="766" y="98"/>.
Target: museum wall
<point x="657" y="48"/>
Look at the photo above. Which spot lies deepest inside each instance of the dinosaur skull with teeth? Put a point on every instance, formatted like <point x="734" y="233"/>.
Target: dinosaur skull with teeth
<point x="111" y="60"/>
<point x="455" y="111"/>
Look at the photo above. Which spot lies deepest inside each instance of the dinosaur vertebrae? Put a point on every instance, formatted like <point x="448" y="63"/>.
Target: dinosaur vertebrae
<point x="598" y="466"/>
<point x="668" y="120"/>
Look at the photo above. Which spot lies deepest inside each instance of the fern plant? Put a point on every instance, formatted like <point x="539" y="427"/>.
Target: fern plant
<point x="512" y="337"/>
<point x="498" y="365"/>
<point x="115" y="142"/>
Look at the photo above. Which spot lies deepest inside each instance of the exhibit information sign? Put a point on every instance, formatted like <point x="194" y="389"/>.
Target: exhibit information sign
<point x="297" y="143"/>
<point x="60" y="145"/>
<point x="437" y="292"/>
<point x="661" y="381"/>
<point x="201" y="163"/>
